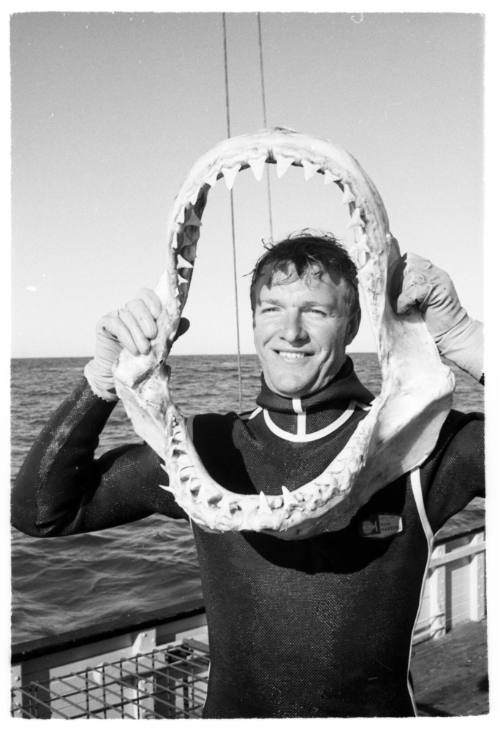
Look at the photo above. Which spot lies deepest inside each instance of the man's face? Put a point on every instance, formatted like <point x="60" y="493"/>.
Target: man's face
<point x="301" y="329"/>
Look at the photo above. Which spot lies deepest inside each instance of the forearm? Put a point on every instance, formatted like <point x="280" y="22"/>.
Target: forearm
<point x="61" y="489"/>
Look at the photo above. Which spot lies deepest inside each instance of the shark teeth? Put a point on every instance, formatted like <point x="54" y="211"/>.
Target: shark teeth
<point x="211" y="179"/>
<point x="257" y="166"/>
<point x="288" y="499"/>
<point x="330" y="177"/>
<point x="194" y="196"/>
<point x="169" y="489"/>
<point x="264" y="505"/>
<point x="356" y="219"/>
<point x="348" y="195"/>
<point x="230" y="175"/>
<point x="283" y="164"/>
<point x="360" y="253"/>
<point x="193" y="219"/>
<point x="182" y="263"/>
<point x="309" y="169"/>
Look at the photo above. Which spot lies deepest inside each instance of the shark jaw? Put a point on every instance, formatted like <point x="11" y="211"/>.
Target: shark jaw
<point x="403" y="424"/>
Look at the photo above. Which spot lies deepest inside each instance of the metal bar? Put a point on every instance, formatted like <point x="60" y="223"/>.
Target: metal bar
<point x="38" y="701"/>
<point x="141" y="695"/>
<point x="180" y="669"/>
<point x="66" y="697"/>
<point x="104" y="704"/>
<point x="457" y="554"/>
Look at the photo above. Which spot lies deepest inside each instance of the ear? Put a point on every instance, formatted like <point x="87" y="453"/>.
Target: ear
<point x="352" y="328"/>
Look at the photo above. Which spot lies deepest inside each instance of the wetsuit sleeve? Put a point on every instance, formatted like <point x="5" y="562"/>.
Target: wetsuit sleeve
<point x="454" y="475"/>
<point x="62" y="489"/>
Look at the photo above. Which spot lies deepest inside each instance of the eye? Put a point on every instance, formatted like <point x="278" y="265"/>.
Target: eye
<point x="268" y="308"/>
<point x="318" y="312"/>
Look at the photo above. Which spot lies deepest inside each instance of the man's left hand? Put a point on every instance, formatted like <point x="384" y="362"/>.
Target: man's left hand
<point x="416" y="282"/>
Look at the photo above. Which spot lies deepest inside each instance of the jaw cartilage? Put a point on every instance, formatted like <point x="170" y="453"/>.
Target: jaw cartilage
<point x="403" y="423"/>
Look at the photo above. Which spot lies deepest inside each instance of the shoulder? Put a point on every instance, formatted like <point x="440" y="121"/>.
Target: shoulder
<point x="458" y="430"/>
<point x="454" y="473"/>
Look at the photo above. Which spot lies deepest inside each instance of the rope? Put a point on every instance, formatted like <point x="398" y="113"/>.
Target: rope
<point x="264" y="115"/>
<point x="233" y="235"/>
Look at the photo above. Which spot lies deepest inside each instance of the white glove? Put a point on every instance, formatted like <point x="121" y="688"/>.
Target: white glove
<point x="416" y="282"/>
<point x="132" y="327"/>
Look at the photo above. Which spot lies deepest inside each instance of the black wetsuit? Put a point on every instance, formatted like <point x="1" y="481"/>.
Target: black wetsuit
<point x="308" y="628"/>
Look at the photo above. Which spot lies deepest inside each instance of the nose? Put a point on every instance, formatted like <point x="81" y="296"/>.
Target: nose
<point x="292" y="329"/>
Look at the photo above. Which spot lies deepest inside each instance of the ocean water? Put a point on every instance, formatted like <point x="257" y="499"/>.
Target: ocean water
<point x="60" y="584"/>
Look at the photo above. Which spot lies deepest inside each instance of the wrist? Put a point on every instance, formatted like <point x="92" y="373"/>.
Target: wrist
<point x="101" y="381"/>
<point x="463" y="345"/>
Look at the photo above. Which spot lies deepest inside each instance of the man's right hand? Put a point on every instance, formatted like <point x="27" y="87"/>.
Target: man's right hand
<point x="132" y="327"/>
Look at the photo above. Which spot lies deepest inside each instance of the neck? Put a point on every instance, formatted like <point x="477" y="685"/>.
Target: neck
<point x="315" y="411"/>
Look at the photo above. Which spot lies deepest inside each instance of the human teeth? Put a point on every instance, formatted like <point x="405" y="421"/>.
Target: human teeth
<point x="230" y="175"/>
<point x="309" y="169"/>
<point x="292" y="355"/>
<point x="181" y="279"/>
<point x="347" y="196"/>
<point x="257" y="167"/>
<point x="356" y="219"/>
<point x="282" y="165"/>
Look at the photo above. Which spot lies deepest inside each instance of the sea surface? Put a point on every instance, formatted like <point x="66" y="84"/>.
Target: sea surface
<point x="66" y="583"/>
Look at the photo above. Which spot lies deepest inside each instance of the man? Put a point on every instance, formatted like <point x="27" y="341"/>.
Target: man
<point x="299" y="628"/>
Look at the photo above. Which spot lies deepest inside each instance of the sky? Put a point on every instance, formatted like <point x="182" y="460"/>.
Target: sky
<point x="110" y="111"/>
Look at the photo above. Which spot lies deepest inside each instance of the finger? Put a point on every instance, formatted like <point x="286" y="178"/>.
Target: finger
<point x="140" y="342"/>
<point x="113" y="327"/>
<point x="143" y="316"/>
<point x="152" y="301"/>
<point x="415" y="294"/>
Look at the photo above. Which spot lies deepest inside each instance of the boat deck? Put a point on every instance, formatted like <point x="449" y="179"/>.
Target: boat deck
<point x="450" y="674"/>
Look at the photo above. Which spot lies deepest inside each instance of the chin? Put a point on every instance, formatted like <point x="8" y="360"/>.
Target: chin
<point x="294" y="390"/>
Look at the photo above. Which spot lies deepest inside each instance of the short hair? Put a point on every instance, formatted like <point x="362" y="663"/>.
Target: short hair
<point x="307" y="250"/>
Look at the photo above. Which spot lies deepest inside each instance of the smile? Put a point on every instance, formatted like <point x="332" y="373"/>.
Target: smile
<point x="291" y="356"/>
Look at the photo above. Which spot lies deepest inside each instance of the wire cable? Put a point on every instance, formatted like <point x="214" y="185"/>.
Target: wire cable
<point x="264" y="116"/>
<point x="233" y="234"/>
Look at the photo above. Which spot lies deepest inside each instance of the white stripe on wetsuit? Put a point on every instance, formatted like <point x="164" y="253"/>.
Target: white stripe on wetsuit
<point x="304" y="437"/>
<point x="416" y="488"/>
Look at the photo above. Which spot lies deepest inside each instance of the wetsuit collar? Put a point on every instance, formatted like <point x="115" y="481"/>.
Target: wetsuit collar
<point x="344" y="387"/>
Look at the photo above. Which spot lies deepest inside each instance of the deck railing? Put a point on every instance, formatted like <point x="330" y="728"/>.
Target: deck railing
<point x="156" y="669"/>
